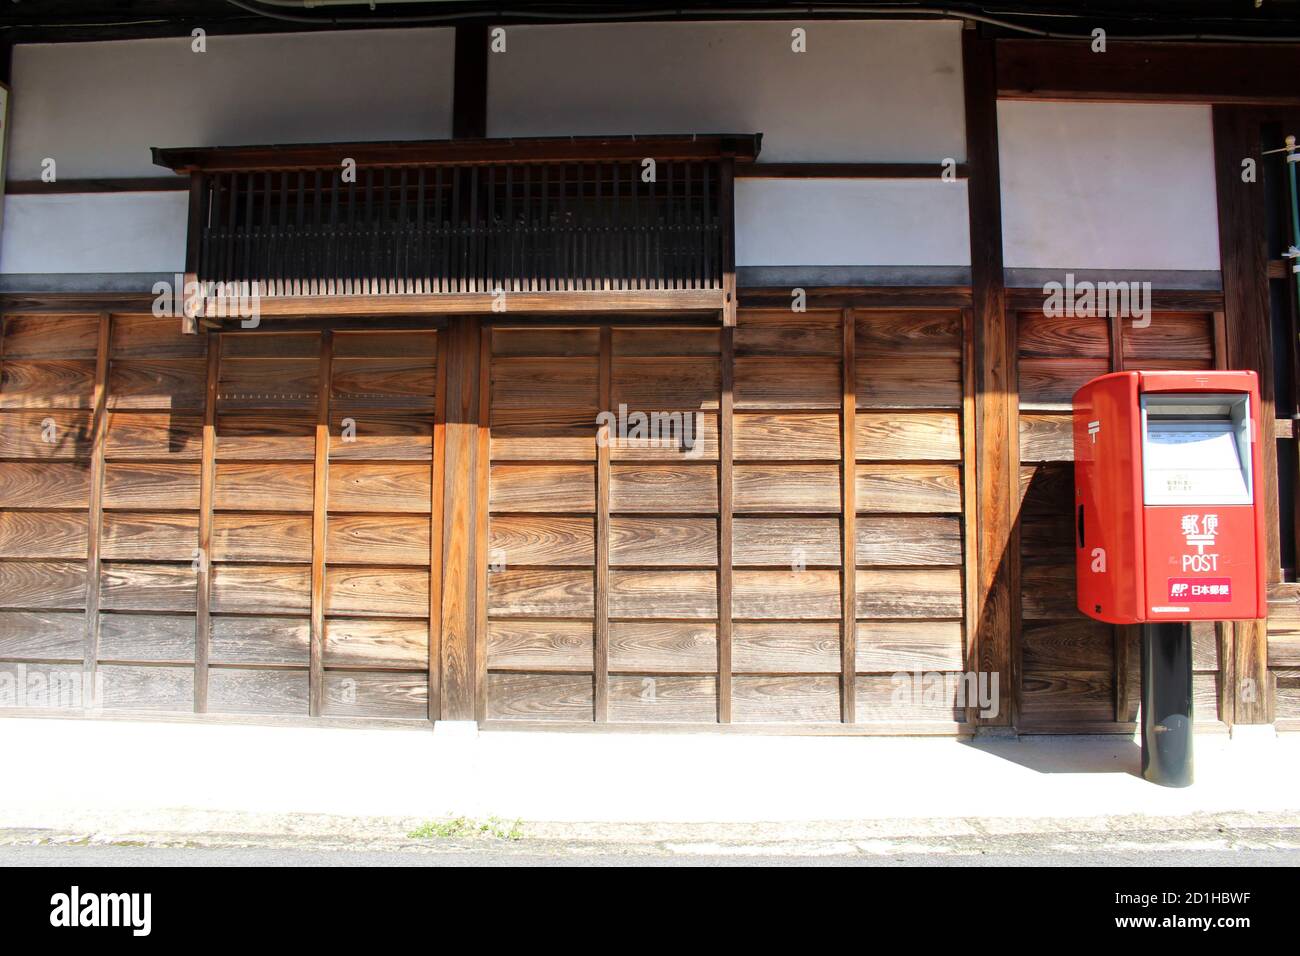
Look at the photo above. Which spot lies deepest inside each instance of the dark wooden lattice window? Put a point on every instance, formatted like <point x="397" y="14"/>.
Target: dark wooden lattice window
<point x="527" y="218"/>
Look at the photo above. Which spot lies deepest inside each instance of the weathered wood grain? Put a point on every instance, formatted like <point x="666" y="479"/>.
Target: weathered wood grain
<point x="1046" y="437"/>
<point x="42" y="635"/>
<point x="1051" y="382"/>
<point x="658" y="697"/>
<point x="152" y="486"/>
<point x="1048" y="591"/>
<point x="377" y="592"/>
<point x="799" y="648"/>
<point x="47" y="383"/>
<point x="782" y="332"/>
<point x="376" y="643"/>
<point x="561" y="382"/>
<point x="360" y="434"/>
<point x="774" y="698"/>
<point x="147" y="587"/>
<point x="907" y="436"/>
<point x="42" y="584"/>
<point x="42" y="534"/>
<point x="375" y="694"/>
<point x="263" y="486"/>
<point x="669" y="542"/>
<point x="770" y="382"/>
<point x="788" y="542"/>
<point x="663" y="341"/>
<point x="32" y="484"/>
<point x="1068" y="695"/>
<point x="662" y="647"/>
<point x="248" y="691"/>
<point x="1170" y="336"/>
<point x="541" y="540"/>
<point x="905" y="381"/>
<point x="666" y="594"/>
<point x="789" y="437"/>
<point x="1062" y="336"/>
<point x="540" y="697"/>
<point x="885" y="541"/>
<point x="892" y="646"/>
<point x="373" y="486"/>
<point x="146" y="637"/>
<point x="690" y="488"/>
<point x="665" y="439"/>
<point x="274" y="436"/>
<point x="804" y="489"/>
<point x="540" y="645"/>
<point x="259" y="640"/>
<point x="149" y="536"/>
<point x="648" y="384"/>
<point x="541" y="593"/>
<point x="261" y="589"/>
<point x="884" y="333"/>
<point x="146" y="687"/>
<point x="267" y="538"/>
<point x="377" y="539"/>
<point x="904" y="488"/>
<point x="544" y="433"/>
<point x="900" y="698"/>
<point x="1075" y="644"/>
<point x="269" y="383"/>
<point x="51" y="336"/>
<point x="405" y="381"/>
<point x="547" y="342"/>
<point x="162" y="384"/>
<point x="47" y="434"/>
<point x="920" y="592"/>
<point x="155" y="435"/>
<point x="383" y="343"/>
<point x="543" y="488"/>
<point x="786" y="594"/>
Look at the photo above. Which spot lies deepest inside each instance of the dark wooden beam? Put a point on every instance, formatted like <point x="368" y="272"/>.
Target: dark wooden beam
<point x="846" y="170"/>
<point x="743" y="147"/>
<point x="470" y="82"/>
<point x="996" y="465"/>
<point x="1146" y="71"/>
<point x="1243" y="252"/>
<point x="149" y="184"/>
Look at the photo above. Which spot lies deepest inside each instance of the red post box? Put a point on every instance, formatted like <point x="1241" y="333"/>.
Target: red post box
<point x="1169" y="528"/>
<point x="1169" y="519"/>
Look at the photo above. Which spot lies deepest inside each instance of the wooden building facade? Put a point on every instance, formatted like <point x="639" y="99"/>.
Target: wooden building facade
<point x="513" y="438"/>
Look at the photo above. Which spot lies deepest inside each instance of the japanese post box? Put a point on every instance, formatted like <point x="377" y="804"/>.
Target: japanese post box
<point x="1169" y="516"/>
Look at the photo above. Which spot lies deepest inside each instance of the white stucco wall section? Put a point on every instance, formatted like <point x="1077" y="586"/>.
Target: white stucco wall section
<point x="96" y="108"/>
<point x="1107" y="186"/>
<point x="863" y="91"/>
<point x="94" y="233"/>
<point x="832" y="222"/>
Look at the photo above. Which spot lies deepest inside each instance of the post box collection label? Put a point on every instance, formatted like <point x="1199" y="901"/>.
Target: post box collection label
<point x="1166" y="489"/>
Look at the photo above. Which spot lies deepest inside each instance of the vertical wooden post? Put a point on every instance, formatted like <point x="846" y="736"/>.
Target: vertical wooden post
<point x="207" y="482"/>
<point x="319" y="517"/>
<point x="1243" y="253"/>
<point x="996" y="464"/>
<point x="848" y="530"/>
<point x="601" y="658"/>
<point x="727" y="224"/>
<point x="193" y="253"/>
<point x="99" y="432"/>
<point x="433" y="661"/>
<point x="460" y="531"/>
<point x="482" y="475"/>
<point x="970" y="507"/>
<point x="726" y="420"/>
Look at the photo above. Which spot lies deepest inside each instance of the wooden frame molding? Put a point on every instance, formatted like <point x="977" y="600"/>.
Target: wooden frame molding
<point x="94" y="529"/>
<point x="849" y="519"/>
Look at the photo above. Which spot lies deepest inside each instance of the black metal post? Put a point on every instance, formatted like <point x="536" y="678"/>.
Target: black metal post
<point x="1167" y="704"/>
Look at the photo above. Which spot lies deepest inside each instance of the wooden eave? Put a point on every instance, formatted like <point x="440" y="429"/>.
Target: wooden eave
<point x="742" y="147"/>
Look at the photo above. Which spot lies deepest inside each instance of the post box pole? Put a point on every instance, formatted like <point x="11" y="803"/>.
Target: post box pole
<point x="1167" y="704"/>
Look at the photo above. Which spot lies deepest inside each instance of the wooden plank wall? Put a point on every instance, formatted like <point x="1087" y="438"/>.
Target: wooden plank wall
<point x="250" y="535"/>
<point x="628" y="628"/>
<point x="1076" y="672"/>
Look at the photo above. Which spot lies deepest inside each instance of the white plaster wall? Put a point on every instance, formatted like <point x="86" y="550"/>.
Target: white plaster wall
<point x="96" y="108"/>
<point x="886" y="91"/>
<point x="833" y="222"/>
<point x="1107" y="186"/>
<point x="94" y="232"/>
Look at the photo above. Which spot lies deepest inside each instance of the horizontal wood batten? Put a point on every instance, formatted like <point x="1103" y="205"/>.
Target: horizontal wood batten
<point x="143" y="184"/>
<point x="397" y="306"/>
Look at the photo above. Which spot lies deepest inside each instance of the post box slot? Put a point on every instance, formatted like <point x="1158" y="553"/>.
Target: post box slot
<point x="1196" y="449"/>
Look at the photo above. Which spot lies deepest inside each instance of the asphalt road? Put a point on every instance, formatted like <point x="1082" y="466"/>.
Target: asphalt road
<point x="111" y="855"/>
